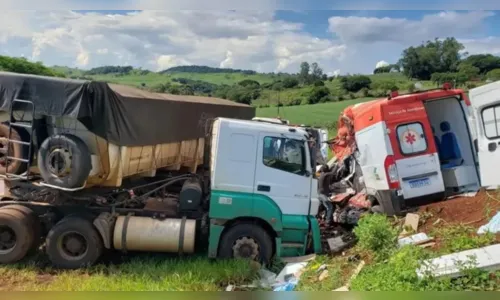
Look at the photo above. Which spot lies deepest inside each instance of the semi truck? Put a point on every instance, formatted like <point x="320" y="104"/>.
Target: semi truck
<point x="137" y="171"/>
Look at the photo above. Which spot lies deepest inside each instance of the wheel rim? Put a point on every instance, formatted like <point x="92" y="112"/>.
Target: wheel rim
<point x="59" y="162"/>
<point x="246" y="247"/>
<point x="4" y="149"/>
<point x="72" y="245"/>
<point x="8" y="239"/>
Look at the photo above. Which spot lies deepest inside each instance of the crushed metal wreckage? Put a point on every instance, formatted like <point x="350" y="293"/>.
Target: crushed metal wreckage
<point x="340" y="186"/>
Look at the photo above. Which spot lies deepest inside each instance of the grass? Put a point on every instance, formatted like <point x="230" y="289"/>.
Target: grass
<point x="323" y="114"/>
<point x="141" y="273"/>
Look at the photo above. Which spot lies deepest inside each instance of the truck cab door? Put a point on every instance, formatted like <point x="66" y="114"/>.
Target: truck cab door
<point x="283" y="173"/>
<point x="485" y="103"/>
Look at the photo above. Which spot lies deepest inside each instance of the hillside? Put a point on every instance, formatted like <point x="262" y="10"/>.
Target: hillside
<point x="425" y="64"/>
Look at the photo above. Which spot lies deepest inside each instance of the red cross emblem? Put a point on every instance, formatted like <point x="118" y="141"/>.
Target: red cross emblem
<point x="410" y="137"/>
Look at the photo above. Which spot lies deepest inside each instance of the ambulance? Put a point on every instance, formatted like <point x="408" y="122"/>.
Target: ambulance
<point x="422" y="147"/>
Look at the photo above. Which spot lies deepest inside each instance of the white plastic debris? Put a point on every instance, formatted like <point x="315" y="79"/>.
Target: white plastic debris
<point x="493" y="225"/>
<point x="415" y="239"/>
<point x="451" y="265"/>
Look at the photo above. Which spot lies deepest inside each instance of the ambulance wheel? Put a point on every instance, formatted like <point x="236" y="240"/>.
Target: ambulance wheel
<point x="73" y="243"/>
<point x="377" y="209"/>
<point x="16" y="235"/>
<point x="247" y="241"/>
<point x="64" y="160"/>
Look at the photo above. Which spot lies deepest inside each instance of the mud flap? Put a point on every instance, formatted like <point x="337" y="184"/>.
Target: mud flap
<point x="316" y="234"/>
<point x="214" y="239"/>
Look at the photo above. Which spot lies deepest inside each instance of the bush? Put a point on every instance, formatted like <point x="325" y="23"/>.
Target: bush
<point x="470" y="85"/>
<point x="341" y="98"/>
<point x="365" y="92"/>
<point x="249" y="83"/>
<point x="317" y="94"/>
<point x="277" y="86"/>
<point x="355" y="83"/>
<point x="319" y="83"/>
<point x="493" y="74"/>
<point x="410" y="87"/>
<point x="296" y="101"/>
<point x="290" y="82"/>
<point x="376" y="234"/>
<point x="352" y="96"/>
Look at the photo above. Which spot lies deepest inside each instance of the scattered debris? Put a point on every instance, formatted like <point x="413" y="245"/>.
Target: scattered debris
<point x="267" y="278"/>
<point x="299" y="258"/>
<point x="411" y="224"/>
<point x="416" y="239"/>
<point x="337" y="244"/>
<point x="323" y="275"/>
<point x="493" y="225"/>
<point x="451" y="265"/>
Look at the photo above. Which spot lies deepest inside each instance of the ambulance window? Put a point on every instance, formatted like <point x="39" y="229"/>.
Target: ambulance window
<point x="411" y="138"/>
<point x="491" y="122"/>
<point x="284" y="154"/>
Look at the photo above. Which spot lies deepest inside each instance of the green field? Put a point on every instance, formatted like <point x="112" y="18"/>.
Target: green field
<point x="323" y="114"/>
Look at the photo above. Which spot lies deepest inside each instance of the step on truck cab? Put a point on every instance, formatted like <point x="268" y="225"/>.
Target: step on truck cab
<point x="425" y="146"/>
<point x="256" y="198"/>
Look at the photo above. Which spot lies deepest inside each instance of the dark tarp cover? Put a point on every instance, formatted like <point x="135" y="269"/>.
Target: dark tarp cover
<point x="123" y="115"/>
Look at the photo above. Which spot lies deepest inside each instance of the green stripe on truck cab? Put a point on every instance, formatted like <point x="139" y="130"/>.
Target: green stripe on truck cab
<point x="290" y="230"/>
<point x="231" y="205"/>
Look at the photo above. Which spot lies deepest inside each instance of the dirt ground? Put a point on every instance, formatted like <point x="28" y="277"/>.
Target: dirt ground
<point x="471" y="211"/>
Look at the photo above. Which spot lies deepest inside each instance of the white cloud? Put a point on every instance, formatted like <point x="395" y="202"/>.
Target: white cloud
<point x="161" y="39"/>
<point x="371" y="30"/>
<point x="381" y="64"/>
<point x="488" y="45"/>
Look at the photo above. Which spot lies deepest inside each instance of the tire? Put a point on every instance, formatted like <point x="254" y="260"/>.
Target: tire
<point x="33" y="220"/>
<point x="16" y="150"/>
<point x="377" y="209"/>
<point x="16" y="235"/>
<point x="73" y="164"/>
<point x="73" y="243"/>
<point x="248" y="235"/>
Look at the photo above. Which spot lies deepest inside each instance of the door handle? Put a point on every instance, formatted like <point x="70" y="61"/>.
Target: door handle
<point x="492" y="147"/>
<point x="263" y="188"/>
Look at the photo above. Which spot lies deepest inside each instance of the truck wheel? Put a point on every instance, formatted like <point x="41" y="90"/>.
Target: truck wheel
<point x="16" y="150"/>
<point x="73" y="243"/>
<point x="64" y="160"/>
<point x="247" y="241"/>
<point x="33" y="220"/>
<point x="16" y="235"/>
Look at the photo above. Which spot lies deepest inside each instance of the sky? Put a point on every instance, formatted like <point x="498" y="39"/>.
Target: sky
<point x="261" y="35"/>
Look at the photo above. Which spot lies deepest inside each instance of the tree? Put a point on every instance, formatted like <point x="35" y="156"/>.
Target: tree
<point x="304" y="72"/>
<point x="384" y="69"/>
<point x="431" y="57"/>
<point x="355" y="83"/>
<point x="468" y="70"/>
<point x="316" y="72"/>
<point x="485" y="62"/>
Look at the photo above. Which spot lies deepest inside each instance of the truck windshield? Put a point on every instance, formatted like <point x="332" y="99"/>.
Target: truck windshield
<point x="285" y="154"/>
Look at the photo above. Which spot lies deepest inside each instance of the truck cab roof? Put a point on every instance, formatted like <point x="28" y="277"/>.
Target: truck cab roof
<point x="295" y="132"/>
